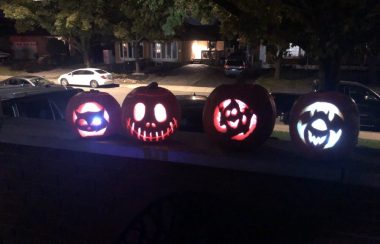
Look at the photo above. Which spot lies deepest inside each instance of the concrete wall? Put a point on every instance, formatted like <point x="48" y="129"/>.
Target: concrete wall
<point x="59" y="196"/>
<point x="55" y="188"/>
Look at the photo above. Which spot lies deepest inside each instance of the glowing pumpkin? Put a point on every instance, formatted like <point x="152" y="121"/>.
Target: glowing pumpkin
<point x="93" y="114"/>
<point x="239" y="115"/>
<point x="150" y="113"/>
<point x="324" y="123"/>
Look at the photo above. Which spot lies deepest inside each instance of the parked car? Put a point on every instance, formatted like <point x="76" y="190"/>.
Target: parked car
<point x="367" y="100"/>
<point x="191" y="112"/>
<point x="4" y="55"/>
<point x="234" y="66"/>
<point x="27" y="80"/>
<point x="86" y="77"/>
<point x="47" y="102"/>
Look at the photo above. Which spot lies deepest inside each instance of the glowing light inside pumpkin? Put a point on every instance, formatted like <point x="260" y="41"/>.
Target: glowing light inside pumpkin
<point x="144" y="135"/>
<point x="160" y="112"/>
<point x="90" y="123"/>
<point x="139" y="111"/>
<point x="151" y="124"/>
<point x="96" y="121"/>
<point x="319" y="124"/>
<point x="232" y="119"/>
<point x="319" y="134"/>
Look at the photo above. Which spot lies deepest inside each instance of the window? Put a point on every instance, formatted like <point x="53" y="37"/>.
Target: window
<point x="169" y="50"/>
<point x="128" y="51"/>
<point x="34" y="108"/>
<point x="158" y="50"/>
<point x="78" y="72"/>
<point x="100" y="71"/>
<point x="164" y="51"/>
<point x="174" y="50"/>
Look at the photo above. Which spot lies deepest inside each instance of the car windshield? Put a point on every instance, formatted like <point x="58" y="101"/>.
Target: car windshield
<point x="40" y="81"/>
<point x="100" y="71"/>
<point x="234" y="62"/>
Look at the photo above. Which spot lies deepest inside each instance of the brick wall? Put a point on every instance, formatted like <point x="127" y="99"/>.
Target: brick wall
<point x="58" y="196"/>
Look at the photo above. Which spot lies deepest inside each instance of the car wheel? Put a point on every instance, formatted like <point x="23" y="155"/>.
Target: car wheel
<point x="94" y="84"/>
<point x="64" y="82"/>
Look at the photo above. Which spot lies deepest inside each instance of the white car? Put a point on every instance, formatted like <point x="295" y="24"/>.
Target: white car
<point x="88" y="76"/>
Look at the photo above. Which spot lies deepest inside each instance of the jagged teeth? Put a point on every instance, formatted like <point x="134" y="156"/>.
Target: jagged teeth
<point x="316" y="140"/>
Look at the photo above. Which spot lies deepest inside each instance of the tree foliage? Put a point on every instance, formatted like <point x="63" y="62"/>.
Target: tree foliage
<point x="327" y="29"/>
<point x="79" y="21"/>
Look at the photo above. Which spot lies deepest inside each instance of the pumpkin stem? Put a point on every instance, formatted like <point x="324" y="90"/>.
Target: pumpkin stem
<point x="153" y="85"/>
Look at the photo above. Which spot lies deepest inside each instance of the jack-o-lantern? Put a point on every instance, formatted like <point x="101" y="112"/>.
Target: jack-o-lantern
<point x="93" y="114"/>
<point x="239" y="115"/>
<point x="324" y="122"/>
<point x="150" y="113"/>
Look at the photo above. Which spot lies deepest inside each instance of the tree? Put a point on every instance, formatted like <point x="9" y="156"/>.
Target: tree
<point x="326" y="29"/>
<point x="254" y="21"/>
<point x="79" y="21"/>
<point x="331" y="29"/>
<point x="139" y="20"/>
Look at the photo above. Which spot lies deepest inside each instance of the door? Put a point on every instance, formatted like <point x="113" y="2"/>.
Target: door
<point x="87" y="77"/>
<point x="77" y="77"/>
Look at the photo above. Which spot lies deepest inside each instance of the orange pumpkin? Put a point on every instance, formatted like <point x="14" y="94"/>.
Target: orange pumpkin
<point x="93" y="114"/>
<point x="239" y="115"/>
<point x="324" y="123"/>
<point x="150" y="113"/>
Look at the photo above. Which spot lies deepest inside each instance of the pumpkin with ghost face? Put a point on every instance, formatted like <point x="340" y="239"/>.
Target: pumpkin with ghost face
<point x="93" y="114"/>
<point x="150" y="113"/>
<point x="239" y="115"/>
<point x="324" y="122"/>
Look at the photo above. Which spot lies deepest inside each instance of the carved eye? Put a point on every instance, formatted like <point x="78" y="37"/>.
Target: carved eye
<point x="96" y="121"/>
<point x="82" y="122"/>
<point x="160" y="112"/>
<point x="139" y="111"/>
<point x="319" y="124"/>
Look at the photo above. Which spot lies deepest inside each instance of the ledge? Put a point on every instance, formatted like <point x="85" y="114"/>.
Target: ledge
<point x="276" y="157"/>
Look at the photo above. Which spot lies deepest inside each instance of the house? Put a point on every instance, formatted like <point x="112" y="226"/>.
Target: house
<point x="193" y="43"/>
<point x="29" y="46"/>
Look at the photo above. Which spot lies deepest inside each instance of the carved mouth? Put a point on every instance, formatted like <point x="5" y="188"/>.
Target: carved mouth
<point x="331" y="137"/>
<point x="144" y="135"/>
<point x="84" y="133"/>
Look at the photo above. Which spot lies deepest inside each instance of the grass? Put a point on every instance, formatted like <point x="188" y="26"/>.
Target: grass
<point x="369" y="143"/>
<point x="5" y="70"/>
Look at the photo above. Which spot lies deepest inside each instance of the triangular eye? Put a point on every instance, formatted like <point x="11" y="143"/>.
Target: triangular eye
<point x="139" y="111"/>
<point x="160" y="112"/>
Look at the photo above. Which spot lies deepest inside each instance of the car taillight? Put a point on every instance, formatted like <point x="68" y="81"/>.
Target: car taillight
<point x="103" y="77"/>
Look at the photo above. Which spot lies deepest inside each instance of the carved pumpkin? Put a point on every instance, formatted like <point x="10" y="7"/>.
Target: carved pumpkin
<point x="93" y="114"/>
<point x="324" y="122"/>
<point x="239" y="115"/>
<point x="150" y="113"/>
